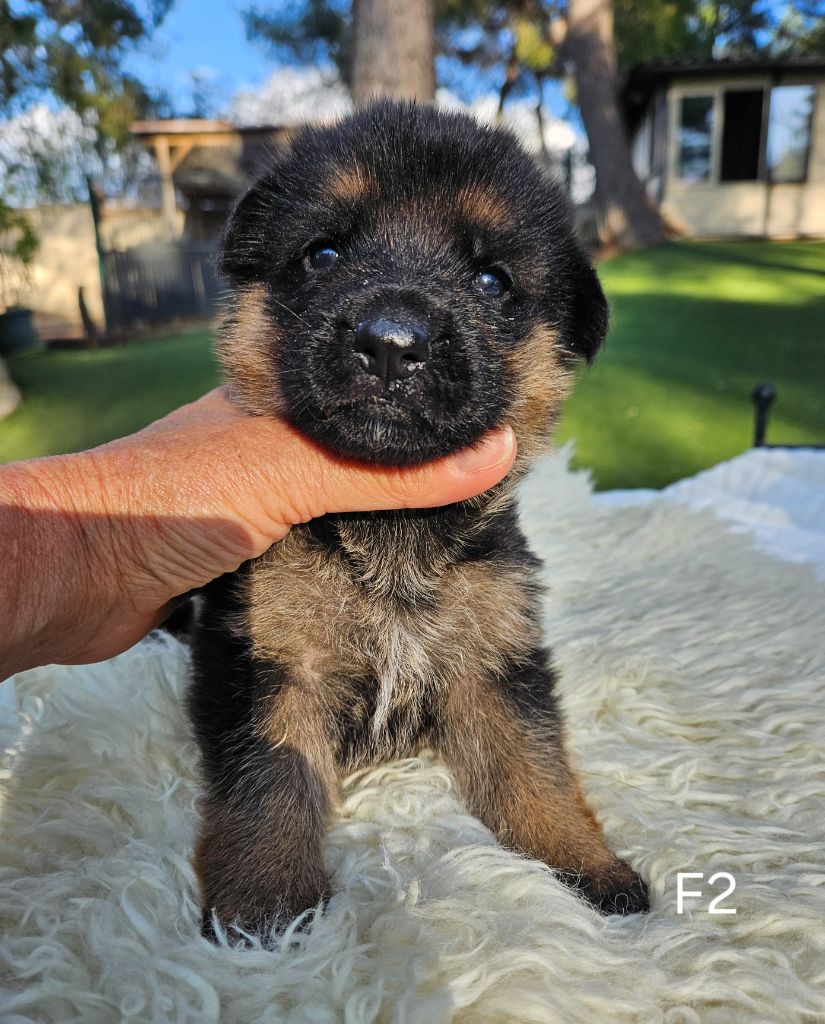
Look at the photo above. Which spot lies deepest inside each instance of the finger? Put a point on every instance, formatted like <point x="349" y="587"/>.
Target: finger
<point x="319" y="482"/>
<point x="355" y="487"/>
<point x="274" y="477"/>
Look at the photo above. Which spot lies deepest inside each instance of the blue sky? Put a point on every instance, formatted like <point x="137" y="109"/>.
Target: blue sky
<point x="201" y="34"/>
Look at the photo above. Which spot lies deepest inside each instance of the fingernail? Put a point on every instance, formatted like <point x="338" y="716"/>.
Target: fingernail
<point x="493" y="450"/>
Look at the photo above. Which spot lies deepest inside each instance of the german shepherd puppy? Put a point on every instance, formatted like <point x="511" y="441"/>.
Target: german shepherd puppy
<point x="402" y="282"/>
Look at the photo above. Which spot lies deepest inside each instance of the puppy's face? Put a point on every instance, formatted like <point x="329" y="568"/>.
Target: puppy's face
<point x="403" y="282"/>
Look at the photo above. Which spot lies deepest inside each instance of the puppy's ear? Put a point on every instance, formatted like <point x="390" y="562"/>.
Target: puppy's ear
<point x="242" y="250"/>
<point x="587" y="322"/>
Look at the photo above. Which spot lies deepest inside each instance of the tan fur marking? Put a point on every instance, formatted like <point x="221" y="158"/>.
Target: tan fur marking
<point x="246" y="340"/>
<point x="519" y="782"/>
<point x="297" y="716"/>
<point x="483" y="206"/>
<point x="541" y="385"/>
<point x="350" y="184"/>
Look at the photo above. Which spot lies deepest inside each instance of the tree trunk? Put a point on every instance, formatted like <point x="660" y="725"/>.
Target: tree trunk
<point x="628" y="218"/>
<point x="393" y="49"/>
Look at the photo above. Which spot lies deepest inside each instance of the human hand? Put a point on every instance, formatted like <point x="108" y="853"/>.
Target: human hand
<point x="102" y="542"/>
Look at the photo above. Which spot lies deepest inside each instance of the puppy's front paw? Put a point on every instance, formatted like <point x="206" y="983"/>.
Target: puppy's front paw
<point x="615" y="890"/>
<point x="265" y="916"/>
<point x="261" y="894"/>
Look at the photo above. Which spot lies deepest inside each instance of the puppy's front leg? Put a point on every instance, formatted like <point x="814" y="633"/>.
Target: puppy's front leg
<point x="502" y="739"/>
<point x="259" y="854"/>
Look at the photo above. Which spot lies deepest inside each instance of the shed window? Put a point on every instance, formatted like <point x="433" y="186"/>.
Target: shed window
<point x="741" y="135"/>
<point x="789" y="132"/>
<point x="695" y="133"/>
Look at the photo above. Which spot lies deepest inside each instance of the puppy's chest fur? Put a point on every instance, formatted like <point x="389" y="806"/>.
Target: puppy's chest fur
<point x="384" y="619"/>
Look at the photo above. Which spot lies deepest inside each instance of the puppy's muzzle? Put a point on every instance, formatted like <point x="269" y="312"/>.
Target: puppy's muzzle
<point x="390" y="349"/>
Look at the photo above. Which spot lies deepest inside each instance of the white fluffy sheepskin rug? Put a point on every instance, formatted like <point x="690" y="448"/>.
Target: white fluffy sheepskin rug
<point x="693" y="671"/>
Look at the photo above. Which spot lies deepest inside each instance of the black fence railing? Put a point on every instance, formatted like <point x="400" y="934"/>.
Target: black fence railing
<point x="763" y="397"/>
<point x="161" y="281"/>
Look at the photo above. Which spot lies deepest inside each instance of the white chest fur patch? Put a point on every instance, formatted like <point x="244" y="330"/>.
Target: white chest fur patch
<point x="404" y="671"/>
<point x="301" y="600"/>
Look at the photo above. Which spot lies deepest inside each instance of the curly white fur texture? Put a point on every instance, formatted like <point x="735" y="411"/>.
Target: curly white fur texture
<point x="693" y="671"/>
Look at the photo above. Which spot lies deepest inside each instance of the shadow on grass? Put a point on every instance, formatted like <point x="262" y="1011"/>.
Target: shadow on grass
<point x="761" y="255"/>
<point x="670" y="394"/>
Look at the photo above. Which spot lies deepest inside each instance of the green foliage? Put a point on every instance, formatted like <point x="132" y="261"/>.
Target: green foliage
<point x="800" y="30"/>
<point x="74" y="51"/>
<point x="18" y="45"/>
<point x="531" y="47"/>
<point x="648" y="30"/>
<point x="18" y="245"/>
<point x="312" y="32"/>
<point x="462" y="12"/>
<point x="20" y="238"/>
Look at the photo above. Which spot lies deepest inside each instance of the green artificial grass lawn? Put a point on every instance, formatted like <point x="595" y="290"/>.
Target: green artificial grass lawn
<point x="78" y="399"/>
<point x="695" y="326"/>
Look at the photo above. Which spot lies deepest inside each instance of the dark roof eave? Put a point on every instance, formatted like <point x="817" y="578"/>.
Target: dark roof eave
<point x="197" y="126"/>
<point x="730" y="65"/>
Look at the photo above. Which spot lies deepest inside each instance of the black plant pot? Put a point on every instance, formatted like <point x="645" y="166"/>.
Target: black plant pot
<point x="17" y="330"/>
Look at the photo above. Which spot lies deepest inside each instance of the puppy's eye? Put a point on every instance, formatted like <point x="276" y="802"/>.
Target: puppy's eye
<point x="492" y="282"/>
<point x="321" y="256"/>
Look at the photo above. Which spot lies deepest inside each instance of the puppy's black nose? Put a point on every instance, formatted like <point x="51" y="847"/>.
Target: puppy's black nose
<point x="390" y="349"/>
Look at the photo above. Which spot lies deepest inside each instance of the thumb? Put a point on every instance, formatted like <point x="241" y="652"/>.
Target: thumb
<point x="212" y="461"/>
<point x="341" y="485"/>
<point x="265" y="476"/>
